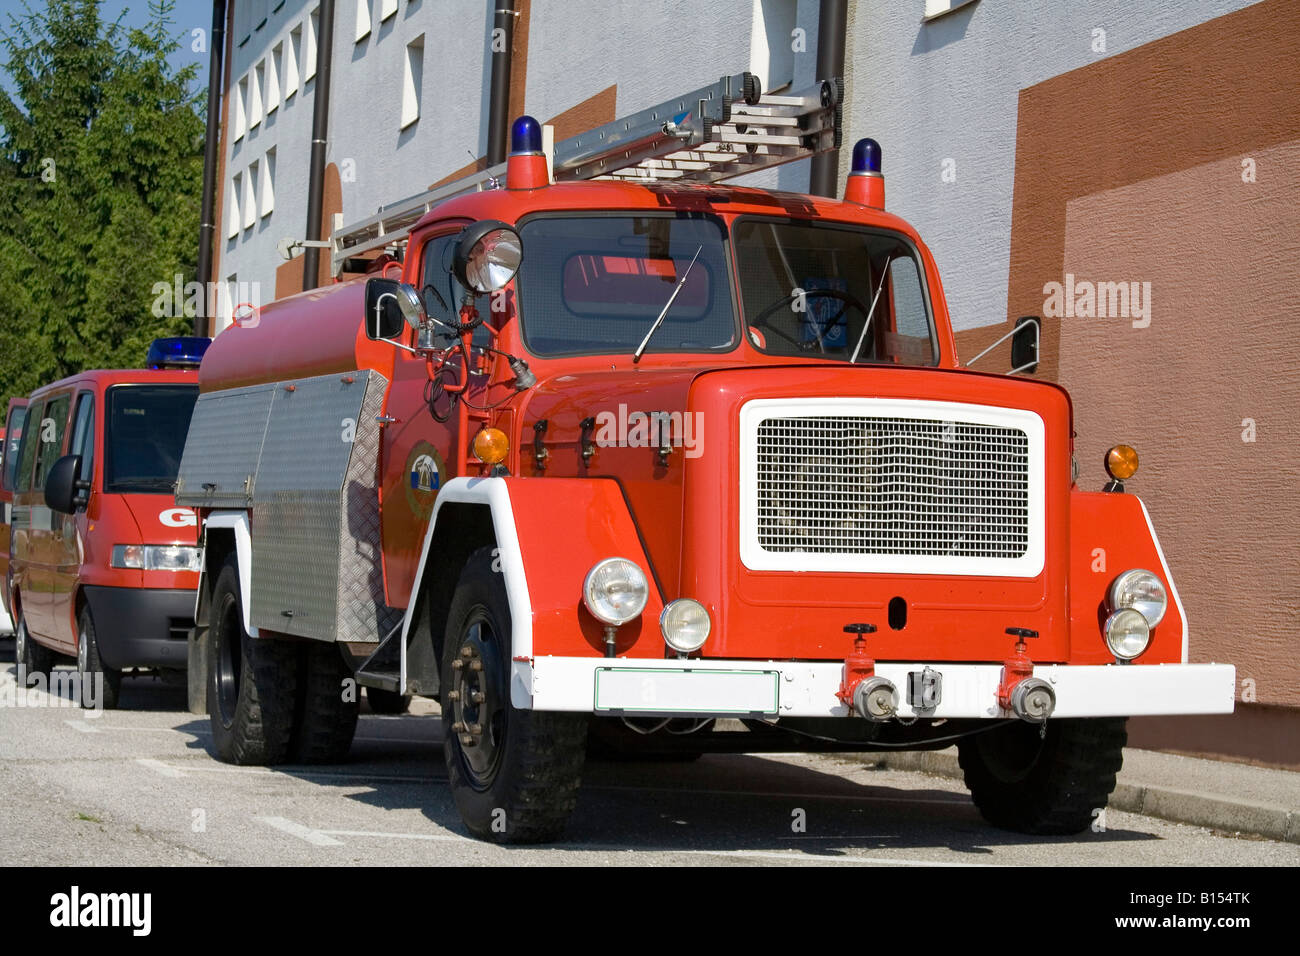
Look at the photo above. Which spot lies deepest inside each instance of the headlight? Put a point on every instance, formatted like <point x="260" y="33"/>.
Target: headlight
<point x="1127" y="634"/>
<point x="685" y="625"/>
<point x="155" y="557"/>
<point x="487" y="256"/>
<point x="615" y="591"/>
<point x="1143" y="592"/>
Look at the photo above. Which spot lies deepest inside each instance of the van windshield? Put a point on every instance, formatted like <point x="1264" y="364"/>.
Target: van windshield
<point x="145" y="436"/>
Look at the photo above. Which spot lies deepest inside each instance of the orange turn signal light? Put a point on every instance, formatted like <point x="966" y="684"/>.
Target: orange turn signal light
<point x="1121" y="462"/>
<point x="491" y="446"/>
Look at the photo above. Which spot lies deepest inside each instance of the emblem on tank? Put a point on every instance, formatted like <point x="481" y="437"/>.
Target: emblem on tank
<point x="424" y="468"/>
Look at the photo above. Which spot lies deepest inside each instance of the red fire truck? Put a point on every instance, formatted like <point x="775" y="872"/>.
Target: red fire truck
<point x="606" y="450"/>
<point x="104" y="565"/>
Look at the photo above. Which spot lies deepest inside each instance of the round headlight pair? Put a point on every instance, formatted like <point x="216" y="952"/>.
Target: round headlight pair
<point x="1138" y="602"/>
<point x="487" y="256"/>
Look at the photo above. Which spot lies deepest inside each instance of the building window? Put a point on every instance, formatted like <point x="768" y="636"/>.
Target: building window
<point x="387" y="8"/>
<point x="771" y="44"/>
<point x="241" y="117"/>
<point x="292" y="57"/>
<point x="232" y="209"/>
<point x="267" y="186"/>
<point x="363" y="19"/>
<point x="272" y="88"/>
<point x="412" y="81"/>
<point x="312" y="29"/>
<point x="937" y="8"/>
<point x="250" y="196"/>
<point x="255" y="95"/>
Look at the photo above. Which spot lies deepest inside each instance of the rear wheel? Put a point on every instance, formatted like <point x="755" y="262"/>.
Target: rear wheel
<point x="1057" y="783"/>
<point x="34" y="660"/>
<point x="98" y="685"/>
<point x="514" y="773"/>
<point x="327" y="706"/>
<point x="251" y="682"/>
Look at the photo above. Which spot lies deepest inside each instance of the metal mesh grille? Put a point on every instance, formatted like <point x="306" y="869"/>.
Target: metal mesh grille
<point x="905" y="486"/>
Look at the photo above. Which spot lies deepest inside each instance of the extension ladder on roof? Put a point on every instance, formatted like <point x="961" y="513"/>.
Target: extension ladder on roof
<point x="725" y="129"/>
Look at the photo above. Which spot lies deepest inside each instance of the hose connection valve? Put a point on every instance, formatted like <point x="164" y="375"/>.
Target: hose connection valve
<point x="1028" y="697"/>
<point x="862" y="690"/>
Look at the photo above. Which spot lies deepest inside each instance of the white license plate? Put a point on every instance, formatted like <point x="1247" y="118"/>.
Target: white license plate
<point x="646" y="690"/>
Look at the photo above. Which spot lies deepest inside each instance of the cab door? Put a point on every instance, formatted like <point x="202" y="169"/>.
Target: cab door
<point x="8" y="470"/>
<point x="46" y="534"/>
<point x="66" y="547"/>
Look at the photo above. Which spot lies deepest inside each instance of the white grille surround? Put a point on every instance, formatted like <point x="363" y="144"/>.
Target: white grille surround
<point x="895" y="486"/>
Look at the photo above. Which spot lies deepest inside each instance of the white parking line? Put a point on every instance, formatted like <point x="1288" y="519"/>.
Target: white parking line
<point x="449" y="837"/>
<point x="823" y="860"/>
<point x="314" y="837"/>
<point x="83" y="726"/>
<point x="160" y="768"/>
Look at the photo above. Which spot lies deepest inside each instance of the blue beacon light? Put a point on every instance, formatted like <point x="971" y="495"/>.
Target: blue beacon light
<point x="866" y="156"/>
<point x="525" y="136"/>
<point x="178" y="352"/>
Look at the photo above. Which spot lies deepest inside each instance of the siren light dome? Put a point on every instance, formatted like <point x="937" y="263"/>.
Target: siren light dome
<point x="866" y="156"/>
<point x="525" y="136"/>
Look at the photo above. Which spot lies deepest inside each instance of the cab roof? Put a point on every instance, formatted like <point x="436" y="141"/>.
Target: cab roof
<point x="100" y="379"/>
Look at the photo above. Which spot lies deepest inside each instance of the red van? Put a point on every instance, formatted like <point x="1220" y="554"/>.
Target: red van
<point x="104" y="566"/>
<point x="9" y="438"/>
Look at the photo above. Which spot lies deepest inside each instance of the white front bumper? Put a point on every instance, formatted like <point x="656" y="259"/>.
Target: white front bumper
<point x="784" y="689"/>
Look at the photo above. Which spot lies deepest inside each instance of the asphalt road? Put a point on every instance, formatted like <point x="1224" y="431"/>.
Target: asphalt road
<point x="138" y="786"/>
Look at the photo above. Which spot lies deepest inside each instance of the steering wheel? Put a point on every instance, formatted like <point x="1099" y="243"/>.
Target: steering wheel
<point x="848" y="300"/>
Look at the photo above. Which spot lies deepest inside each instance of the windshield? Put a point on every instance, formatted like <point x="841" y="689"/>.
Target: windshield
<point x="146" y="435"/>
<point x="596" y="284"/>
<point x="832" y="291"/>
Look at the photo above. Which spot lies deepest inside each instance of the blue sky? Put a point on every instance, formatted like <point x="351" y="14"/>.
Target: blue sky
<point x="187" y="15"/>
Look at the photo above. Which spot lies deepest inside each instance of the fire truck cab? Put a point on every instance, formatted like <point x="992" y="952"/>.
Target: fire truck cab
<point x="618" y="451"/>
<point x="104" y="565"/>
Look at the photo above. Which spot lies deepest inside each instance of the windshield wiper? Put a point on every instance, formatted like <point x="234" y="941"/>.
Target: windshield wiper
<point x="636" y="356"/>
<point x="879" y="289"/>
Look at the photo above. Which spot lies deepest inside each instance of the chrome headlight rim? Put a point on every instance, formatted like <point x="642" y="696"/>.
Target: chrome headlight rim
<point x="673" y="611"/>
<point x="1133" y="623"/>
<point x="1116" y="599"/>
<point x="610" y="613"/>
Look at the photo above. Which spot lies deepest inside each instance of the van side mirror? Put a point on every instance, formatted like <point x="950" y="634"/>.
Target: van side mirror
<point x="383" y="317"/>
<point x="1024" y="344"/>
<point x="63" y="490"/>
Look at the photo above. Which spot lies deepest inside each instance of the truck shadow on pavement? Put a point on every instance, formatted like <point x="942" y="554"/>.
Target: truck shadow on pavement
<point x="820" y="805"/>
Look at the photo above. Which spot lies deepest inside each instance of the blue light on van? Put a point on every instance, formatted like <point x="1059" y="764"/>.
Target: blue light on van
<point x="184" y="351"/>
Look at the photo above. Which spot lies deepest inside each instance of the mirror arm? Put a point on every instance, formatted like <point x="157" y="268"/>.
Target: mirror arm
<point x="1014" y="330"/>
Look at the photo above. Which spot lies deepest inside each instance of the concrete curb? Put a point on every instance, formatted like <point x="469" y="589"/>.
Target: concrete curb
<point x="1177" y="806"/>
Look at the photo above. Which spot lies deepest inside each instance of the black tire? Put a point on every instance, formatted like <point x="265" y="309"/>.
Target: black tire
<point x="34" y="660"/>
<point x="1053" y="785"/>
<point x="90" y="667"/>
<point x="387" y="701"/>
<point x="516" y="780"/>
<point x="251" y="683"/>
<point x="327" y="706"/>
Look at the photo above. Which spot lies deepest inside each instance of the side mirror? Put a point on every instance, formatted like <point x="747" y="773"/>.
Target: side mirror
<point x="1024" y="344"/>
<point x="389" y="305"/>
<point x="62" y="489"/>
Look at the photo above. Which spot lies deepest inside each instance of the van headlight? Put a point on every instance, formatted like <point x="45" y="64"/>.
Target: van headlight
<point x="155" y="557"/>
<point x="615" y="591"/>
<point x="1142" y="591"/>
<point x="685" y="625"/>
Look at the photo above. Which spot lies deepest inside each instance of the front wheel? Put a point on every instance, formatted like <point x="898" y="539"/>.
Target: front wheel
<point x="513" y="773"/>
<point x="96" y="683"/>
<point x="1056" y="782"/>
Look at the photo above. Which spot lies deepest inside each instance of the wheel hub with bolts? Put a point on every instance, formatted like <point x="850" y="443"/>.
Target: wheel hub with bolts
<point x="83" y="652"/>
<point x="478" y="702"/>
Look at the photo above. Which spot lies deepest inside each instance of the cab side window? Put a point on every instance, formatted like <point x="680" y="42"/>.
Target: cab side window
<point x="13" y="440"/>
<point x="49" y="432"/>
<point x="83" y="435"/>
<point x="27" y="447"/>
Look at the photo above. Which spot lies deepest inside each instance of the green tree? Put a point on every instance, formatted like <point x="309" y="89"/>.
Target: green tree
<point x="101" y="169"/>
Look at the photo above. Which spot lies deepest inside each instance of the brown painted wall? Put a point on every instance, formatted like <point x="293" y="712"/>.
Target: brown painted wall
<point x="1131" y="169"/>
